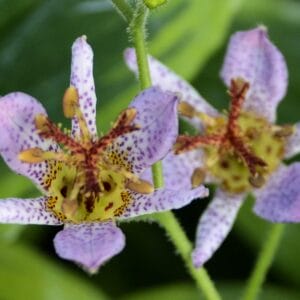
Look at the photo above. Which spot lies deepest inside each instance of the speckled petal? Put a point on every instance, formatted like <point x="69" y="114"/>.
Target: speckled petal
<point x="178" y="169"/>
<point x="89" y="244"/>
<point x="169" y="81"/>
<point x="292" y="147"/>
<point x="279" y="200"/>
<point x="26" y="211"/>
<point x="18" y="132"/>
<point x="253" y="57"/>
<point x="161" y="200"/>
<point x="157" y="117"/>
<point x="214" y="225"/>
<point x="82" y="78"/>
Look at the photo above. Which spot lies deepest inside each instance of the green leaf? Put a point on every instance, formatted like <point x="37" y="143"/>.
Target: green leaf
<point x="25" y="274"/>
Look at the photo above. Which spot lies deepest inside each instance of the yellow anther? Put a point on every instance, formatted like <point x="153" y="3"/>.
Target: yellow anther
<point x="198" y="177"/>
<point x="126" y="117"/>
<point x="206" y="119"/>
<point x="69" y="207"/>
<point x="41" y="123"/>
<point x="186" y="109"/>
<point x="257" y="180"/>
<point x="140" y="186"/>
<point x="33" y="155"/>
<point x="70" y="102"/>
<point x="37" y="155"/>
<point x="284" y="131"/>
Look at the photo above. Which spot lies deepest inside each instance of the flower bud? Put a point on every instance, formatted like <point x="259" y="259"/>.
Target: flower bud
<point x="152" y="4"/>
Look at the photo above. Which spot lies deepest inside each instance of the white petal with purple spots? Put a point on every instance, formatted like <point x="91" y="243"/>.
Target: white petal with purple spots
<point x="161" y="200"/>
<point x="89" y="244"/>
<point x="82" y="78"/>
<point x="292" y="147"/>
<point x="253" y="57"/>
<point x="279" y="199"/>
<point x="18" y="132"/>
<point x="178" y="169"/>
<point x="157" y="117"/>
<point x="214" y="225"/>
<point x="169" y="81"/>
<point x="26" y="211"/>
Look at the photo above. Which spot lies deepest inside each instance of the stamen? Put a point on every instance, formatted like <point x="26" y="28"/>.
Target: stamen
<point x="70" y="102"/>
<point x="37" y="155"/>
<point x="140" y="186"/>
<point x="284" y="131"/>
<point x="42" y="124"/>
<point x="34" y="155"/>
<point x="69" y="207"/>
<point x="125" y="118"/>
<point x="187" y="110"/>
<point x="257" y="180"/>
<point x="198" y="177"/>
<point x="72" y="109"/>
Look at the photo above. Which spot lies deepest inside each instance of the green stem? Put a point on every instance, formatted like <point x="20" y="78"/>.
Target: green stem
<point x="166" y="219"/>
<point x="184" y="248"/>
<point x="124" y="9"/>
<point x="263" y="262"/>
<point x="139" y="37"/>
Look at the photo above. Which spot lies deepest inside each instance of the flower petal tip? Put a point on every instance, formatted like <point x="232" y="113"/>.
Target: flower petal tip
<point x="252" y="56"/>
<point x="198" y="259"/>
<point x="89" y="244"/>
<point x="279" y="201"/>
<point x="130" y="58"/>
<point x="81" y="46"/>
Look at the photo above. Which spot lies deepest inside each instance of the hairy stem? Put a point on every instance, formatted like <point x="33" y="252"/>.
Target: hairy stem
<point x="263" y="262"/>
<point x="167" y="220"/>
<point x="138" y="33"/>
<point x="184" y="248"/>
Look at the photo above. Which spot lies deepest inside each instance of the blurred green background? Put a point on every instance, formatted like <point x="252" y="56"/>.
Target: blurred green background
<point x="190" y="36"/>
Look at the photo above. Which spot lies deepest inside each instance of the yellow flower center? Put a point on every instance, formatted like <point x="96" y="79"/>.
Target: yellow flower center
<point x="241" y="150"/>
<point x="87" y="180"/>
<point x="230" y="168"/>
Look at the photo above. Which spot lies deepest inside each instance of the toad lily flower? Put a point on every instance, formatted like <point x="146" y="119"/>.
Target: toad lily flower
<point x="88" y="182"/>
<point x="242" y="150"/>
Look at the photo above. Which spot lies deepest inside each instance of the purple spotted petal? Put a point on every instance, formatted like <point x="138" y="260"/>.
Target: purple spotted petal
<point x="178" y="169"/>
<point x="18" y="132"/>
<point x="214" y="225"/>
<point x="161" y="200"/>
<point x="82" y="78"/>
<point x="279" y="200"/>
<point x="89" y="244"/>
<point x="169" y="81"/>
<point x="157" y="117"/>
<point x="252" y="56"/>
<point x="292" y="147"/>
<point x="26" y="211"/>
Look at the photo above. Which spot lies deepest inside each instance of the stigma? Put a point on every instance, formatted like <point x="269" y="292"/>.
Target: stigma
<point x="85" y="181"/>
<point x="241" y="149"/>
